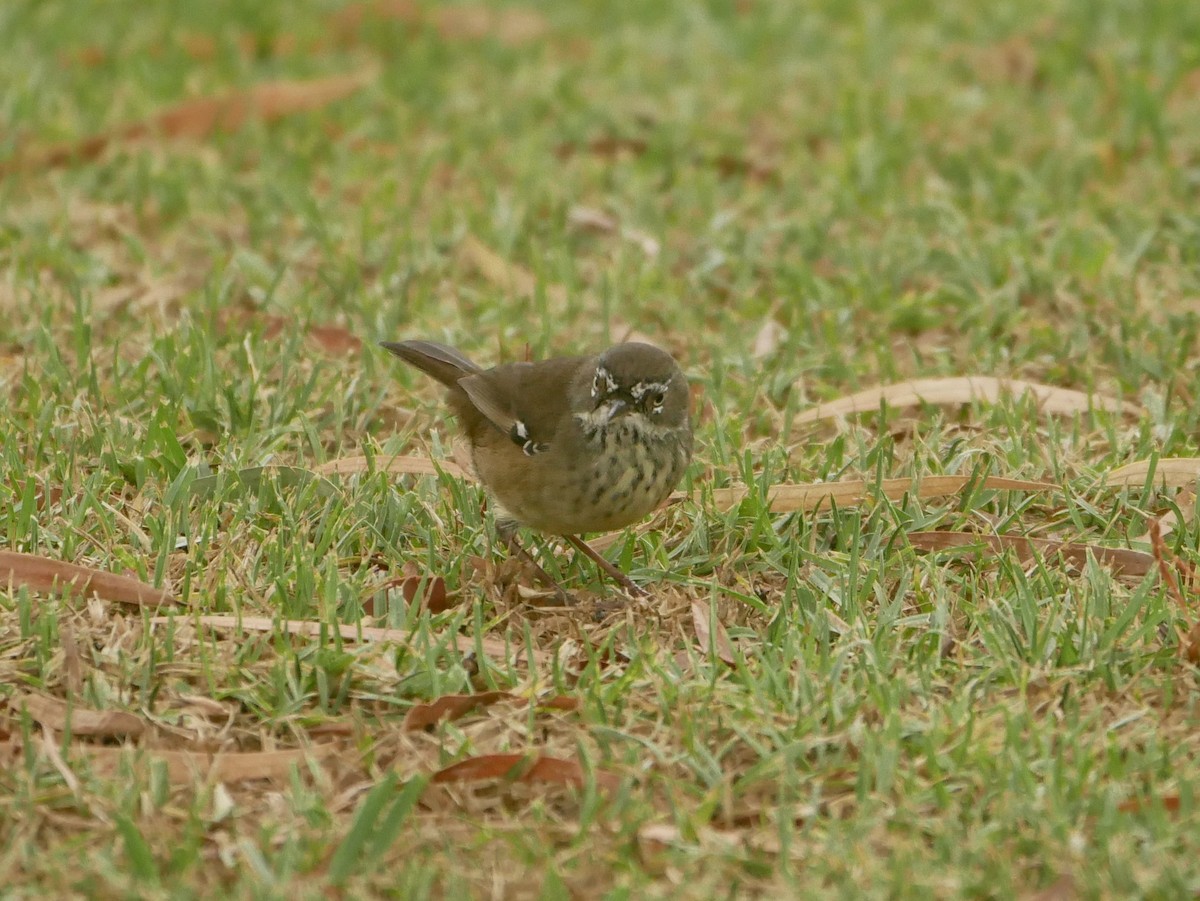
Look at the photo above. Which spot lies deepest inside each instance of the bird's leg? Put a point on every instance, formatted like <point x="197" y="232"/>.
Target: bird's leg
<point x="508" y="532"/>
<point x="619" y="577"/>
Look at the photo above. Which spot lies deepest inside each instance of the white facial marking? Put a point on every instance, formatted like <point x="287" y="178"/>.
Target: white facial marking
<point x="603" y="382"/>
<point x="641" y="389"/>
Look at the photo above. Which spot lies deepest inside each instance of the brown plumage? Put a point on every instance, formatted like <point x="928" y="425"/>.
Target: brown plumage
<point x="573" y="444"/>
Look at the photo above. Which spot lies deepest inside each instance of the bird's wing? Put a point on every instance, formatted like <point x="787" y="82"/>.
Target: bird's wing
<point x="526" y="401"/>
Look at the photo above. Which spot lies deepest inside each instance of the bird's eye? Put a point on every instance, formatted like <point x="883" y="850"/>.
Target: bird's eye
<point x="656" y="401"/>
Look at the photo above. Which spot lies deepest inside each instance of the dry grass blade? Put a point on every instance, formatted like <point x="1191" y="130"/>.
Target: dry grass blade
<point x="190" y="766"/>
<point x="63" y="717"/>
<point x="451" y="707"/>
<point x="1170" y="472"/>
<point x="523" y="767"/>
<point x="964" y="390"/>
<point x="1123" y="561"/>
<point x="49" y="576"/>
<point x="1190" y="646"/>
<point x="413" y="465"/>
<point x="791" y="498"/>
<point x="709" y="638"/>
<point x="203" y="117"/>
<point x="513" y="26"/>
<point x="493" y="646"/>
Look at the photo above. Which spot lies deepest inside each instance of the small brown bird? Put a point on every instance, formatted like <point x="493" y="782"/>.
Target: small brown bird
<point x="569" y="445"/>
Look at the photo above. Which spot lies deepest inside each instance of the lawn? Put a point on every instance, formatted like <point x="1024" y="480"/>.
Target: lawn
<point x="922" y="619"/>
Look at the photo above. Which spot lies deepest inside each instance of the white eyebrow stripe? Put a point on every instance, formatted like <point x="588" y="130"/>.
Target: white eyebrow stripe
<point x="641" y="389"/>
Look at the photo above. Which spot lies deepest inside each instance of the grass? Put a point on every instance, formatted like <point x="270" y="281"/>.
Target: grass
<point x="841" y="194"/>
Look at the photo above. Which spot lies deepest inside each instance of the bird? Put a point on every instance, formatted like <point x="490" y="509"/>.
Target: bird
<point x="568" y="445"/>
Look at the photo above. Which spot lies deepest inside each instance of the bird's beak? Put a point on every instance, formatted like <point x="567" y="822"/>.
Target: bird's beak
<point x="610" y="410"/>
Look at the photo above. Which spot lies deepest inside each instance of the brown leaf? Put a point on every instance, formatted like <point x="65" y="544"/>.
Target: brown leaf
<point x="49" y="576"/>
<point x="1190" y="645"/>
<point x="1170" y="472"/>
<point x="1123" y="561"/>
<point x="334" y="339"/>
<point x="559" y="702"/>
<point x="434" y="596"/>
<point x="789" y="498"/>
<point x="72" y="659"/>
<point x="492" y="646"/>
<point x="43" y="496"/>
<point x="705" y="634"/>
<point x="729" y="166"/>
<point x="422" y="716"/>
<point x="1164" y="558"/>
<point x="1169" y="803"/>
<point x="524" y="767"/>
<point x="584" y="217"/>
<point x="513" y="26"/>
<point x="200" y="47"/>
<point x="191" y="766"/>
<point x="62" y="717"/>
<point x="964" y="390"/>
<point x="394" y="465"/>
<point x="200" y="118"/>
<point x="1061" y="889"/>
<point x="89" y="57"/>
<point x="609" y="147"/>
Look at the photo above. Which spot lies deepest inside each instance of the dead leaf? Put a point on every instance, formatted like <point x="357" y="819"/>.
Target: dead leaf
<point x="609" y="147"/>
<point x="1123" y="561"/>
<point x="451" y="707"/>
<point x="589" y="218"/>
<point x="730" y="166"/>
<point x="766" y="342"/>
<point x="393" y="465"/>
<point x="72" y="659"/>
<point x="409" y="583"/>
<point x="964" y="390"/>
<point x="1190" y="645"/>
<point x="46" y="576"/>
<point x="790" y="498"/>
<point x="191" y="766"/>
<point x="1169" y="803"/>
<point x="492" y="646"/>
<point x="333" y="339"/>
<point x="1061" y="889"/>
<point x="201" y="118"/>
<point x="558" y="702"/>
<point x="525" y="768"/>
<point x="63" y="717"/>
<point x="1169" y="472"/>
<point x="1164" y="558"/>
<point x="513" y="26"/>
<point x="705" y="634"/>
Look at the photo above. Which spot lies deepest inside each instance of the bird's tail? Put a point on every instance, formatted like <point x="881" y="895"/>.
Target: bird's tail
<point x="444" y="363"/>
